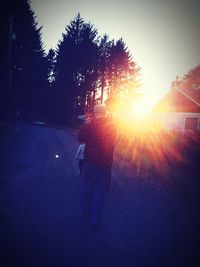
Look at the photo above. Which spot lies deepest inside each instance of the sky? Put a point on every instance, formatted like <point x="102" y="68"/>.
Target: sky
<point x="163" y="36"/>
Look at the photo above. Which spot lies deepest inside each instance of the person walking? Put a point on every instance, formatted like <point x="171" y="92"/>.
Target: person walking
<point x="99" y="134"/>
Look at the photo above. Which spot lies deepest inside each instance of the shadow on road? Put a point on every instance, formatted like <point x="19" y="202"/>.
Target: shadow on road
<point x="147" y="220"/>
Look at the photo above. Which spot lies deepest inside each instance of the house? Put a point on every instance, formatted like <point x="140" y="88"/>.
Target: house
<point x="179" y="109"/>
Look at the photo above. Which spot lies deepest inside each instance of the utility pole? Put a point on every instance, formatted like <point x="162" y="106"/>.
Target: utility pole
<point x="11" y="17"/>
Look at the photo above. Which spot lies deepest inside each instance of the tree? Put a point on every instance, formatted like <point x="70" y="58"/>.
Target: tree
<point x="75" y="72"/>
<point x="51" y="60"/>
<point x="122" y="73"/>
<point x="6" y="36"/>
<point x="89" y="68"/>
<point x="192" y="79"/>
<point x="27" y="82"/>
<point x="104" y="54"/>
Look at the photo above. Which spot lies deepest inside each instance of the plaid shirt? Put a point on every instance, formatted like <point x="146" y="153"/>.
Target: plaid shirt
<point x="99" y="136"/>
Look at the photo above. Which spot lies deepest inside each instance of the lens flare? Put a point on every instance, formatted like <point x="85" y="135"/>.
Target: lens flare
<point x="143" y="146"/>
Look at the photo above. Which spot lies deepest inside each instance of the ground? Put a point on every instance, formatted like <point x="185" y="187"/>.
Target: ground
<point x="147" y="221"/>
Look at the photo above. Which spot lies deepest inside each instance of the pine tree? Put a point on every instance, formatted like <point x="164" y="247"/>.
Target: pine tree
<point x="51" y="60"/>
<point x="6" y="36"/>
<point x="27" y="66"/>
<point x="122" y="73"/>
<point x="75" y="68"/>
<point x="90" y="69"/>
<point x="191" y="80"/>
<point x="104" y="55"/>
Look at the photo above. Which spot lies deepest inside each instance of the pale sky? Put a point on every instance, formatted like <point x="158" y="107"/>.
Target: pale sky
<point x="163" y="36"/>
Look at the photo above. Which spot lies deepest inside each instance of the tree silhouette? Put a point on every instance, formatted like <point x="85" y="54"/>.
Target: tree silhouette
<point x="6" y="36"/>
<point x="51" y="60"/>
<point x="118" y="72"/>
<point x="90" y="68"/>
<point x="26" y="62"/>
<point x="104" y="55"/>
<point x="122" y="70"/>
<point x="75" y="68"/>
<point x="192" y="79"/>
<point x="84" y="68"/>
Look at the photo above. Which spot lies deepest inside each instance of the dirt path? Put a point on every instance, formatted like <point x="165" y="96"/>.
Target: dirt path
<point x="144" y="223"/>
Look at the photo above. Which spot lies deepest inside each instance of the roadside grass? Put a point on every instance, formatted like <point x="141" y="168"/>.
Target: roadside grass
<point x="170" y="160"/>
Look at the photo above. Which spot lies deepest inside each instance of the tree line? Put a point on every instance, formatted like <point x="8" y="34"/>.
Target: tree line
<point x="84" y="69"/>
<point x="191" y="80"/>
<point x="23" y="65"/>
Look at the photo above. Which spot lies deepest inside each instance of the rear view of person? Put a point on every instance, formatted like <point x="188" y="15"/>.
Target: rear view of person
<point x="99" y="135"/>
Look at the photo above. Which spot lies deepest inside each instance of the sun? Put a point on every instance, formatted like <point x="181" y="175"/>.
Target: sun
<point x="140" y="109"/>
<point x="131" y="111"/>
<point x="143" y="106"/>
<point x="134" y="110"/>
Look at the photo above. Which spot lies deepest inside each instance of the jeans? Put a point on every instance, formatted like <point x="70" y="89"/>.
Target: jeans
<point x="80" y="164"/>
<point x="94" y="184"/>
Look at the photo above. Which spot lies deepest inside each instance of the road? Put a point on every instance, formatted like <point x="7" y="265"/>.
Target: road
<point x="145" y="224"/>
